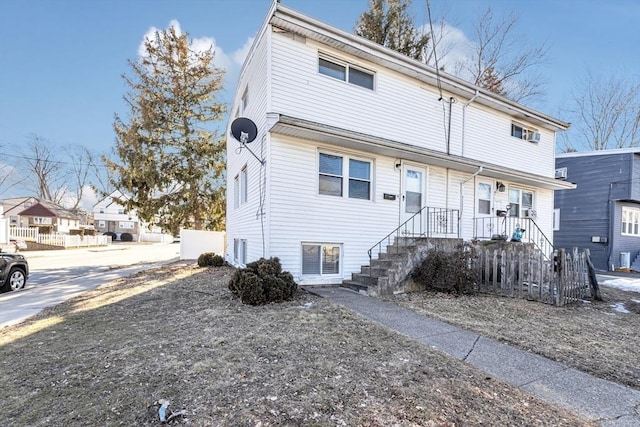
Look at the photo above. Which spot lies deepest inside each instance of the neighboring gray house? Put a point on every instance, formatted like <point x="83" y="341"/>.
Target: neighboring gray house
<point x="603" y="212"/>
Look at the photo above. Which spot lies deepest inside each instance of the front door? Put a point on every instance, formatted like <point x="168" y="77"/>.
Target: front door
<point x="414" y="193"/>
<point x="485" y="220"/>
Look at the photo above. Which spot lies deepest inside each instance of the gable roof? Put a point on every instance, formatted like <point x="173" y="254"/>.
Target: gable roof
<point x="49" y="209"/>
<point x="290" y="20"/>
<point x="16" y="204"/>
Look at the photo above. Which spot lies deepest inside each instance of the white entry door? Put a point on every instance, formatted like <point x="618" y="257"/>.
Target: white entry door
<point x="414" y="194"/>
<point x="485" y="220"/>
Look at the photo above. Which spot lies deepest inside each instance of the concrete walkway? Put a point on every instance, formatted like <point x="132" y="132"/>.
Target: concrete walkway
<point x="613" y="405"/>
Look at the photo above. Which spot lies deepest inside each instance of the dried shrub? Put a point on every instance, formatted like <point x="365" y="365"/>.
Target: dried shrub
<point x="447" y="271"/>
<point x="126" y="237"/>
<point x="210" y="259"/>
<point x="263" y="282"/>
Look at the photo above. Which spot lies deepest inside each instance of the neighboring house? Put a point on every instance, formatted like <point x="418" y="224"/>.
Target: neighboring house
<point x="109" y="216"/>
<point x="603" y="212"/>
<point x="354" y="139"/>
<point x="49" y="216"/>
<point x="13" y="207"/>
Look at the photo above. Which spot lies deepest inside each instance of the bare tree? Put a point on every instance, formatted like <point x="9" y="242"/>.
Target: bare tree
<point x="9" y="176"/>
<point x="606" y="113"/>
<point x="44" y="169"/>
<point x="57" y="174"/>
<point x="502" y="61"/>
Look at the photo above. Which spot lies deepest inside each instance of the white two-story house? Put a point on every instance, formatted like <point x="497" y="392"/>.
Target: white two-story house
<point x="111" y="217"/>
<point x="354" y="139"/>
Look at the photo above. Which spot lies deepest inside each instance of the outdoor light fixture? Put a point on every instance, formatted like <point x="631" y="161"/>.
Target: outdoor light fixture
<point x="500" y="187"/>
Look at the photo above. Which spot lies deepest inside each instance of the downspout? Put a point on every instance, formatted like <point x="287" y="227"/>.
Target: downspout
<point x="462" y="194"/>
<point x="464" y="118"/>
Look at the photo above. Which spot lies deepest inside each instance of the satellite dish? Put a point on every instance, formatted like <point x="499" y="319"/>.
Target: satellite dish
<point x="244" y="130"/>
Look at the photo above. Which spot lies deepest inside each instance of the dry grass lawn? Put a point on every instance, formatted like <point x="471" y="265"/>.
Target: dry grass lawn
<point x="598" y="337"/>
<point x="177" y="333"/>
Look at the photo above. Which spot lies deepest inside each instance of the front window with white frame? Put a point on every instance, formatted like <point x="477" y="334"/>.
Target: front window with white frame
<point x="321" y="259"/>
<point x="630" y="221"/>
<point x="240" y="251"/>
<point x="337" y="171"/>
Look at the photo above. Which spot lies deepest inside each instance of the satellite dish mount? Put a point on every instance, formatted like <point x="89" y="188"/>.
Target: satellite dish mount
<point x="245" y="132"/>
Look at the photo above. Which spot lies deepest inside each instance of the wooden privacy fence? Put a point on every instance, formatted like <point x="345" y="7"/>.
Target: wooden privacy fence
<point x="527" y="273"/>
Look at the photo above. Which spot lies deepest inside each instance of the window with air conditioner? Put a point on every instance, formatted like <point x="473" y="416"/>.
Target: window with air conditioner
<point x="521" y="203"/>
<point x="561" y="173"/>
<point x="522" y="132"/>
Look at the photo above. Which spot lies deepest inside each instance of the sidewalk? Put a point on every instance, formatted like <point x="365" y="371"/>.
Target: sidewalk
<point x="613" y="405"/>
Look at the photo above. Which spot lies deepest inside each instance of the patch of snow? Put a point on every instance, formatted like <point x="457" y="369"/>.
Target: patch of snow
<point x="626" y="284"/>
<point x="619" y="307"/>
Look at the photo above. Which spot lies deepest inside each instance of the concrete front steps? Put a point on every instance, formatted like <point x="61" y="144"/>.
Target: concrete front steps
<point x="390" y="272"/>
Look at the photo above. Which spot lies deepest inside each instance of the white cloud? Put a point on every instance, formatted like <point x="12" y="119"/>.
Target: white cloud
<point x="454" y="49"/>
<point x="241" y="54"/>
<point x="201" y="44"/>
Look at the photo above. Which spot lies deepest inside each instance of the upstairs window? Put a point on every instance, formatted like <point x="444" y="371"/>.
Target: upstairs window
<point x="245" y="100"/>
<point x="244" y="190"/>
<point x="522" y="132"/>
<point x="345" y="72"/>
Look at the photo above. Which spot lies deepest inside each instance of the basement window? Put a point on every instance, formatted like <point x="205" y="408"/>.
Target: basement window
<point x="320" y="259"/>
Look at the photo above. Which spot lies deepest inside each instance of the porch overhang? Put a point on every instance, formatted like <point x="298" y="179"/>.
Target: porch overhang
<point x="318" y="132"/>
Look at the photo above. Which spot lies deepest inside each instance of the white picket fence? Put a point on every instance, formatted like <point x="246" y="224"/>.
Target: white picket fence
<point x="62" y="240"/>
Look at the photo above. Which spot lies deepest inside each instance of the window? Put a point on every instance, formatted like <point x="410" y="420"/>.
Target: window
<point x="101" y="210"/>
<point x="630" y="221"/>
<point x="520" y="202"/>
<point x="13" y="219"/>
<point x="522" y="132"/>
<point x="320" y="259"/>
<point x="556" y="219"/>
<point x="125" y="224"/>
<point x="120" y="211"/>
<point x="42" y="220"/>
<point x="236" y="191"/>
<point x="101" y="224"/>
<point x="484" y="198"/>
<point x="245" y="100"/>
<point x="359" y="179"/>
<point x="331" y="176"/>
<point x="240" y="251"/>
<point x="243" y="185"/>
<point x="240" y="188"/>
<point x="345" y="72"/>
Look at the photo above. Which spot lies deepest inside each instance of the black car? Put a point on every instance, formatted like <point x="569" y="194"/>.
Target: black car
<point x="14" y="272"/>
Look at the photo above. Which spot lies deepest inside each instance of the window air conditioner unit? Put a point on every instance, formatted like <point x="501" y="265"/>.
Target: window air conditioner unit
<point x="533" y="137"/>
<point x="561" y="173"/>
<point x="530" y="213"/>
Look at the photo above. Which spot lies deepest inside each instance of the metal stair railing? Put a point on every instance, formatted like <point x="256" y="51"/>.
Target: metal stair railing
<point x="427" y="222"/>
<point x="502" y="228"/>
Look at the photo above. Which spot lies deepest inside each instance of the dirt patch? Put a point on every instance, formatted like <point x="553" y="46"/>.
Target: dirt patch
<point x="598" y="337"/>
<point x="176" y="333"/>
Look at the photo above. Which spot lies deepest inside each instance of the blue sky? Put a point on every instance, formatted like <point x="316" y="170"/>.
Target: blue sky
<point x="61" y="60"/>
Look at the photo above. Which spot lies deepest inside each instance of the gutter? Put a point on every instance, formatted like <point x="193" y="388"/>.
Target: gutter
<point x="464" y="119"/>
<point x="462" y="183"/>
